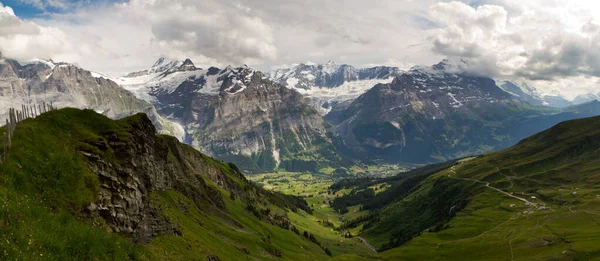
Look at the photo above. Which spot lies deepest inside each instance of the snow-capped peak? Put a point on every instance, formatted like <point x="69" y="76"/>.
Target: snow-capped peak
<point x="330" y="67"/>
<point x="160" y="61"/>
<point x="162" y="65"/>
<point x="48" y="63"/>
<point x="187" y="65"/>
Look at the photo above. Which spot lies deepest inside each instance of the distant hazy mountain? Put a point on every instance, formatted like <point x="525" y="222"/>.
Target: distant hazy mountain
<point x="528" y="94"/>
<point x="586" y="98"/>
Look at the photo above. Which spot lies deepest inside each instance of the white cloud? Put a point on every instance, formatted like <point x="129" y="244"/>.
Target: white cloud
<point x="555" y="45"/>
<point x="550" y="44"/>
<point x="134" y="34"/>
<point x="25" y="40"/>
<point x="205" y="28"/>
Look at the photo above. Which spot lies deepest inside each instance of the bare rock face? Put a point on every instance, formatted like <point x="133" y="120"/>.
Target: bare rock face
<point x="147" y="164"/>
<point x="266" y="121"/>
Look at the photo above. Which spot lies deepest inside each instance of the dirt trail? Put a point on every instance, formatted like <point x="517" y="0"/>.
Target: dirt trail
<point x="369" y="246"/>
<point x="487" y="184"/>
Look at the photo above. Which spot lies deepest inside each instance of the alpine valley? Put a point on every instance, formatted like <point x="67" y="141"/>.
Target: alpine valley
<point x="269" y="130"/>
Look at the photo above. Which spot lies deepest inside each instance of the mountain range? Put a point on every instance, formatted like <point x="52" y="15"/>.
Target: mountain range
<point x="308" y="117"/>
<point x="429" y="114"/>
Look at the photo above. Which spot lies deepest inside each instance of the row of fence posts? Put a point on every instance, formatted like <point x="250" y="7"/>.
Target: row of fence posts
<point x="16" y="116"/>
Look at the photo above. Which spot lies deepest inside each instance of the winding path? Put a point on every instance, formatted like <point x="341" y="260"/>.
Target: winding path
<point x="369" y="246"/>
<point x="487" y="184"/>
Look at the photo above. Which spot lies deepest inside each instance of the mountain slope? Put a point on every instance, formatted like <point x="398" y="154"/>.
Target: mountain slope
<point x="68" y="85"/>
<point x="536" y="200"/>
<point x="523" y="92"/>
<point x="435" y="114"/>
<point x="77" y="185"/>
<point x="528" y="94"/>
<point x="238" y="115"/>
<point x="584" y="98"/>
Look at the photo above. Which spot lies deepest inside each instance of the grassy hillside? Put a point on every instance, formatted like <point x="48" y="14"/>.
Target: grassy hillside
<point x="539" y="200"/>
<point x="55" y="179"/>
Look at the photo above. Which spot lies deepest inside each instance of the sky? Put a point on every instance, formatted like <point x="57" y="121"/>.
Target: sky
<point x="553" y="45"/>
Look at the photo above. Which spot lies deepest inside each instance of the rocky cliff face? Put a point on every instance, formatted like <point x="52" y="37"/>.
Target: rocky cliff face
<point x="145" y="164"/>
<point x="239" y="115"/>
<point x="67" y="85"/>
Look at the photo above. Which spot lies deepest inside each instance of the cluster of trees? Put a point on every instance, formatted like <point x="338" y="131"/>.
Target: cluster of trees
<point x="313" y="239"/>
<point x="280" y="200"/>
<point x="401" y="185"/>
<point x="341" y="204"/>
<point x="419" y="214"/>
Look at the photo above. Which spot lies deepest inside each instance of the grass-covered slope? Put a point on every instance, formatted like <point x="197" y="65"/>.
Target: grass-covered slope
<point x="539" y="200"/>
<point x="79" y="186"/>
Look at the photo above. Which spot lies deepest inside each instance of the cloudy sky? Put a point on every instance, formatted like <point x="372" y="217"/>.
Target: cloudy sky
<point x="553" y="45"/>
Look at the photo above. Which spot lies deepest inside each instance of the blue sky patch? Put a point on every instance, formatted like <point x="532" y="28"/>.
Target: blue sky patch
<point x="36" y="8"/>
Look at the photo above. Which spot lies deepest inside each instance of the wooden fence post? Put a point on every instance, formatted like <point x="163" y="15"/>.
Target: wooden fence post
<point x="5" y="147"/>
<point x="9" y="128"/>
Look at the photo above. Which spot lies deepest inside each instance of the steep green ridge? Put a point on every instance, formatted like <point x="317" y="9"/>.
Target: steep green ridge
<point x="79" y="186"/>
<point x="539" y="200"/>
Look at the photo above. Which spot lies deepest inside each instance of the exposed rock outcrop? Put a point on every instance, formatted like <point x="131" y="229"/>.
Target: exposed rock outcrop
<point x="145" y="164"/>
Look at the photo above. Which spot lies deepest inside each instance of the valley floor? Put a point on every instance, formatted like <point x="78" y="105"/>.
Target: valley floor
<point x="502" y="222"/>
<point x="324" y="220"/>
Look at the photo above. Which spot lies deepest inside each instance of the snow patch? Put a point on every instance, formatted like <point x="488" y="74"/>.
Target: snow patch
<point x="292" y="82"/>
<point x="456" y="103"/>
